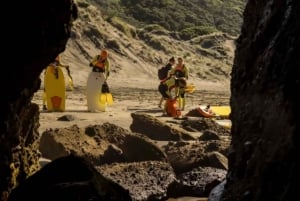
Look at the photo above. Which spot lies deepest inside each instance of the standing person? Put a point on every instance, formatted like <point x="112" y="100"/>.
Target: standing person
<point x="99" y="74"/>
<point x="180" y="71"/>
<point x="167" y="69"/>
<point x="57" y="62"/>
<point x="170" y="86"/>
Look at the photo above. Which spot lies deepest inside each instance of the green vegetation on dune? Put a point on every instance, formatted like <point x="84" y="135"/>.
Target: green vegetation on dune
<point x="148" y="31"/>
<point x="195" y="17"/>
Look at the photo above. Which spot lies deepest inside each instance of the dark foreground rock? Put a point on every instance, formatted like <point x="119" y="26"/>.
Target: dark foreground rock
<point x="69" y="178"/>
<point x="157" y="130"/>
<point x="147" y="169"/>
<point x="198" y="182"/>
<point x="148" y="180"/>
<point x="102" y="144"/>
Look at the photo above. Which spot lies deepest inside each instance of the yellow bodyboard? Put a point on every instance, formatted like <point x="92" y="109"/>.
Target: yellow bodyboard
<point x="222" y="111"/>
<point x="190" y="88"/>
<point x="55" y="89"/>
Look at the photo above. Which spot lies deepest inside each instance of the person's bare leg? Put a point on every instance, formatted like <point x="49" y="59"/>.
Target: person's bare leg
<point x="182" y="104"/>
<point x="160" y="102"/>
<point x="165" y="112"/>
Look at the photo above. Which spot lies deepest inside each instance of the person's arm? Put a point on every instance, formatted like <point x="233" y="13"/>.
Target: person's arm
<point x="62" y="65"/>
<point x="171" y="72"/>
<point x="94" y="61"/>
<point x="66" y="67"/>
<point x="69" y="74"/>
<point x="177" y="92"/>
<point x="172" y="88"/>
<point x="186" y="72"/>
<point x="168" y="92"/>
<point x="107" y="68"/>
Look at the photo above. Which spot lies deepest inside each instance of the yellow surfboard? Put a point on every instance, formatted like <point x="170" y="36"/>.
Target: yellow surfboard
<point x="222" y="111"/>
<point x="55" y="89"/>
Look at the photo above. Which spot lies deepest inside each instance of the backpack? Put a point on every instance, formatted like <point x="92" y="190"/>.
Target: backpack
<point x="162" y="72"/>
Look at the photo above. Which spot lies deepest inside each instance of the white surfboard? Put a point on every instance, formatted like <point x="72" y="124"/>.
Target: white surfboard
<point x="93" y="91"/>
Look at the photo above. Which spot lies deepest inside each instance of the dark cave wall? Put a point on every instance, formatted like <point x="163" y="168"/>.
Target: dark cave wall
<point x="34" y="33"/>
<point x="265" y="103"/>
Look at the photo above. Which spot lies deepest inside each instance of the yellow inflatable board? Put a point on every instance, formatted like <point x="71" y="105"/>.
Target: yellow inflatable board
<point x="190" y="88"/>
<point x="222" y="111"/>
<point x="55" y="89"/>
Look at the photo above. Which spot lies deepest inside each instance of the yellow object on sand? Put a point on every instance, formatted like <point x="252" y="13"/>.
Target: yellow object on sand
<point x="190" y="88"/>
<point x="103" y="98"/>
<point x="109" y="99"/>
<point x="106" y="98"/>
<point x="223" y="111"/>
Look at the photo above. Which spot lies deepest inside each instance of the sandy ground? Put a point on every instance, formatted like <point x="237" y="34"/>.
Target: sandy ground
<point x="126" y="101"/>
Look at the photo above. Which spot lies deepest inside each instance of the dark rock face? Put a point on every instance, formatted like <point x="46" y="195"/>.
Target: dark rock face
<point x="185" y="156"/>
<point x="69" y="178"/>
<point x="148" y="170"/>
<point x="155" y="129"/>
<point x="102" y="144"/>
<point x="265" y="104"/>
<point x="202" y="180"/>
<point x="147" y="180"/>
<point x="46" y="29"/>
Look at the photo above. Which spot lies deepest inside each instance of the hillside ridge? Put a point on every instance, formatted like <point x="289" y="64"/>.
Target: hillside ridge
<point x="137" y="52"/>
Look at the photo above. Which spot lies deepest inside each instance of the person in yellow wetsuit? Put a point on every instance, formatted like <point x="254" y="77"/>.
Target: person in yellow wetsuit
<point x="101" y="69"/>
<point x="180" y="71"/>
<point x="169" y="89"/>
<point x="101" y="63"/>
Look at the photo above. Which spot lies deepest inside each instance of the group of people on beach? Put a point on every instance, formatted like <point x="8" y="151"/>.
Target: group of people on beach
<point x="172" y="86"/>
